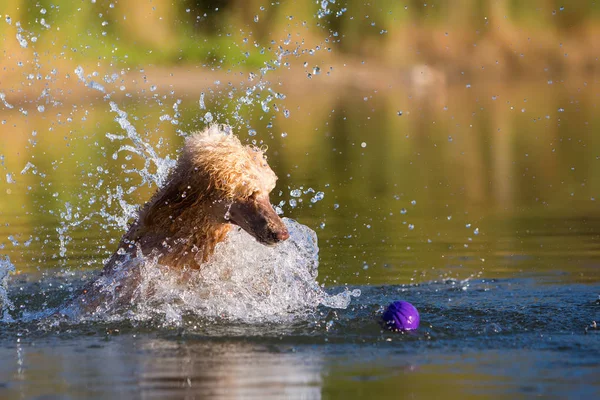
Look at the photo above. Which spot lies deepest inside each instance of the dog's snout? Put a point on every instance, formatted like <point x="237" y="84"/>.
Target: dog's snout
<point x="282" y="234"/>
<point x="257" y="217"/>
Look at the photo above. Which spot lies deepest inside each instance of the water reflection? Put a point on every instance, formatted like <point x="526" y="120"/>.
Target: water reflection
<point x="143" y="366"/>
<point x="508" y="161"/>
<point x="151" y="367"/>
<point x="232" y="369"/>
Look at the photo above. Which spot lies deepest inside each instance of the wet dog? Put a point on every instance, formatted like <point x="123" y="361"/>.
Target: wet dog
<point x="217" y="182"/>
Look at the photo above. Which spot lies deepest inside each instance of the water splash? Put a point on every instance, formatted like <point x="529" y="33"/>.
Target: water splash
<point x="111" y="207"/>
<point x="6" y="305"/>
<point x="324" y="9"/>
<point x="244" y="281"/>
<point x="142" y="149"/>
<point x="3" y="100"/>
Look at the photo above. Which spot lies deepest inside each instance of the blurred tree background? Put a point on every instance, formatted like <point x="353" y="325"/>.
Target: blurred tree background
<point x="511" y="37"/>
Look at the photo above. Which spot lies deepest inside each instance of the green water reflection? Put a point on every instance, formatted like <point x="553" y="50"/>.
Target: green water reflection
<point x="485" y="181"/>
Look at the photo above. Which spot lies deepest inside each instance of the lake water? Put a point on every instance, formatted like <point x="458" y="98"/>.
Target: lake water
<point x="476" y="203"/>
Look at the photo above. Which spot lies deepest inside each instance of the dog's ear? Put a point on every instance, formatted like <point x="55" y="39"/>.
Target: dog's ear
<point x="170" y="202"/>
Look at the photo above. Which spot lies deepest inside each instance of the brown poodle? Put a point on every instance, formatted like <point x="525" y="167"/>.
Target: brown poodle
<point x="217" y="182"/>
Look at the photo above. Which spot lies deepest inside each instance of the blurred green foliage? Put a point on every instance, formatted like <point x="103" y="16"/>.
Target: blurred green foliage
<point x="471" y="34"/>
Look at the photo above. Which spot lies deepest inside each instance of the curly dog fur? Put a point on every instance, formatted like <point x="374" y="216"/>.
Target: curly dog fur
<point x="217" y="182"/>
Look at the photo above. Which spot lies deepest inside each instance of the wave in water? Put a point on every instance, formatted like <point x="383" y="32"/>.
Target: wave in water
<point x="245" y="281"/>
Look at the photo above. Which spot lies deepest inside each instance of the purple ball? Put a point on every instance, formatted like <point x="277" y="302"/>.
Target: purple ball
<point x="401" y="315"/>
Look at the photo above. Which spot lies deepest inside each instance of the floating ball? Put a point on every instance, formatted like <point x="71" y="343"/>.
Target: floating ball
<point x="401" y="315"/>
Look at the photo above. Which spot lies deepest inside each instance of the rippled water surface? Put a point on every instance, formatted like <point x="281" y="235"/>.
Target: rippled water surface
<point x="498" y="338"/>
<point x="481" y="212"/>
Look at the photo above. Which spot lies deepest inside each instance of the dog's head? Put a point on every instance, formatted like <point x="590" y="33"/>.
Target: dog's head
<point x="237" y="181"/>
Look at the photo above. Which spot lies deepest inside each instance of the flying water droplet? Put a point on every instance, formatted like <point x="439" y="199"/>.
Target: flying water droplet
<point x="317" y="197"/>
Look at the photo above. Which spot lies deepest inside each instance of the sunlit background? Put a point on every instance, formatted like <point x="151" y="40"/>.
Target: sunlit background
<point x="422" y="141"/>
<point x="472" y="116"/>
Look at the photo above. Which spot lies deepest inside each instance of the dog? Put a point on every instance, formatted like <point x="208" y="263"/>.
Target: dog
<point x="216" y="183"/>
